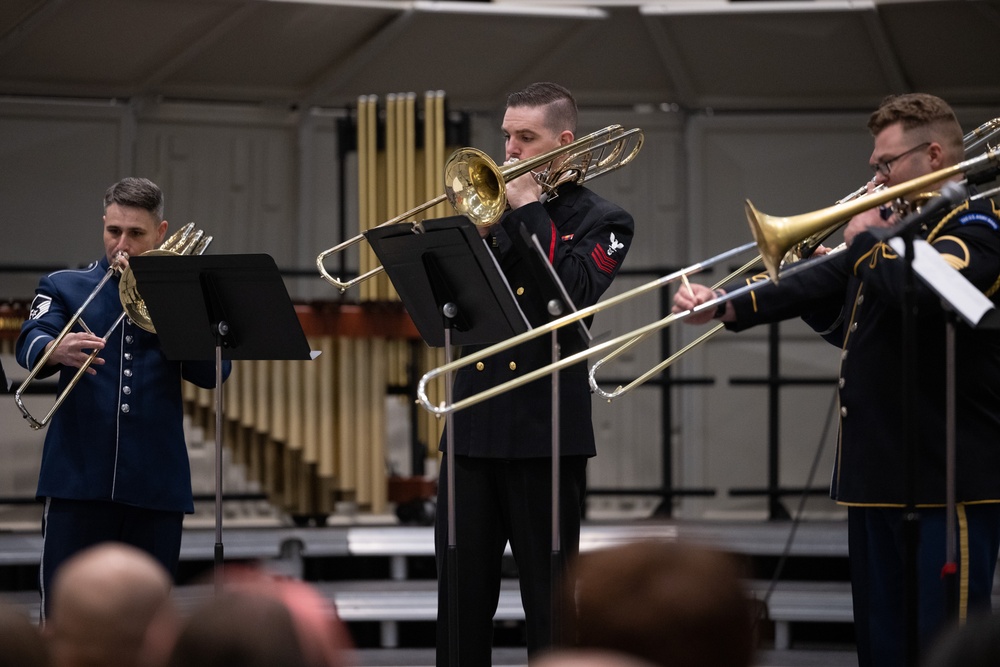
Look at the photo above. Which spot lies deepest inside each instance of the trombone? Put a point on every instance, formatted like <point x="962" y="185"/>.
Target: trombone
<point x="184" y="241"/>
<point x="801" y="250"/>
<point x="476" y="186"/>
<point x="774" y="236"/>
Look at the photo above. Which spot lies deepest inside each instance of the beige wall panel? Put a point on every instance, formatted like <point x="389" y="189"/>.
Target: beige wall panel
<point x="55" y="163"/>
<point x="785" y="165"/>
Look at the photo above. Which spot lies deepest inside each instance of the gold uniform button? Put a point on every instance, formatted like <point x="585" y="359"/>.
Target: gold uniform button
<point x="841" y="383"/>
<point x="480" y="365"/>
<point x="843" y="412"/>
<point x="520" y="291"/>
<point x="513" y="366"/>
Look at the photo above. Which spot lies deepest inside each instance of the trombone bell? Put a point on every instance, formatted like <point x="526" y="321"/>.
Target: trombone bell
<point x="776" y="235"/>
<point x="132" y="302"/>
<point x="475" y="186"/>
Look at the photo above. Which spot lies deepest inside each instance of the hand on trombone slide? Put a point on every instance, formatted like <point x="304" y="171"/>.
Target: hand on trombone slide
<point x="75" y="349"/>
<point x="691" y="295"/>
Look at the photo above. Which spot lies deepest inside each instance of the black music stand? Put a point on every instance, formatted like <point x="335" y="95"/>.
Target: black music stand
<point x="456" y="294"/>
<point x="445" y="261"/>
<point x="958" y="297"/>
<point x="220" y="307"/>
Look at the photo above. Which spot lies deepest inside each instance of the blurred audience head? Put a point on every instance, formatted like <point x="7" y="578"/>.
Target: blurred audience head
<point x="21" y="645"/>
<point x="103" y="601"/>
<point x="666" y="603"/>
<point x="588" y="658"/>
<point x="262" y="621"/>
<point x="975" y="643"/>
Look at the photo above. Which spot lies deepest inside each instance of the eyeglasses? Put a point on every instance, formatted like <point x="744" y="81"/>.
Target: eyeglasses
<point x="883" y="167"/>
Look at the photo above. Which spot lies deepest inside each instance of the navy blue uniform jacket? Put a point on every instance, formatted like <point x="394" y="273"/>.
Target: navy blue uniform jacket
<point x="586" y="238"/>
<point x="854" y="299"/>
<point x="119" y="435"/>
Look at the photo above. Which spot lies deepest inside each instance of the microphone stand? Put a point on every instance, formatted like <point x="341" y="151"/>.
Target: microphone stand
<point x="951" y="195"/>
<point x="911" y="518"/>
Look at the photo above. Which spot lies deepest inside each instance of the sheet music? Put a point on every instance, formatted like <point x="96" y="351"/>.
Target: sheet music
<point x="962" y="296"/>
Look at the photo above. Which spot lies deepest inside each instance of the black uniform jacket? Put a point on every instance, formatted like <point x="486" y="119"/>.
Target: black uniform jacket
<point x="586" y="238"/>
<point x="854" y="300"/>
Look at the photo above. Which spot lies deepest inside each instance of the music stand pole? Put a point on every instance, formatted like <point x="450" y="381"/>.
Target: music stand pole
<point x="221" y="330"/>
<point x="556" y="563"/>
<point x="204" y="303"/>
<point x="911" y="517"/>
<point x="950" y="569"/>
<point x="449" y="311"/>
<point x="959" y="298"/>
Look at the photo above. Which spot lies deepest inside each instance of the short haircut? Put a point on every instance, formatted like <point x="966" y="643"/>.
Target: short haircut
<point x="559" y="103"/>
<point x="920" y="111"/>
<point x="668" y="603"/>
<point x="138" y="193"/>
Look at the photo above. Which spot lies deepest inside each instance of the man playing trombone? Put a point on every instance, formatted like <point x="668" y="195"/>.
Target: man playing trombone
<point x="855" y="300"/>
<point x="503" y="446"/>
<point x="115" y="463"/>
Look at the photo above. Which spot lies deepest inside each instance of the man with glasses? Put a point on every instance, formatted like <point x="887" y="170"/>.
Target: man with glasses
<point x="855" y="299"/>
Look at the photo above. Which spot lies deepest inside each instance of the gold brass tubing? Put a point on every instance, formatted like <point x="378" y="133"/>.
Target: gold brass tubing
<point x="981" y="134"/>
<point x="620" y="391"/>
<point x="800" y="249"/>
<point x="485" y="213"/>
<point x="775" y="235"/>
<point x="562" y="321"/>
<point x="37" y="424"/>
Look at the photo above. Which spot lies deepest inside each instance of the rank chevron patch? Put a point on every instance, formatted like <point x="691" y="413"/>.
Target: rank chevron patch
<point x="602" y="260"/>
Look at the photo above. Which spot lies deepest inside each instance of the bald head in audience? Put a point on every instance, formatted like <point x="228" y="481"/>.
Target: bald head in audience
<point x="666" y="603"/>
<point x="103" y="602"/>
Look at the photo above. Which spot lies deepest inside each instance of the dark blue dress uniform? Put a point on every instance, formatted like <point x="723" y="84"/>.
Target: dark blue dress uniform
<point x="117" y="442"/>
<point x="854" y="300"/>
<point x="503" y="446"/>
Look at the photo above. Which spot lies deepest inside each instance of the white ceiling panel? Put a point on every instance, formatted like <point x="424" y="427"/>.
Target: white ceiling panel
<point x="697" y="54"/>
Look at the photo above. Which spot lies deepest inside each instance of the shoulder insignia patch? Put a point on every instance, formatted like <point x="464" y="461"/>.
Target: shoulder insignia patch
<point x="39" y="306"/>
<point x="976" y="218"/>
<point x="603" y="260"/>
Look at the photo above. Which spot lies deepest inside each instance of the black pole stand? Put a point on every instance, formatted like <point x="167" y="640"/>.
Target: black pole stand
<point x="221" y="330"/>
<point x="554" y="302"/>
<point x="442" y="269"/>
<point x="911" y="518"/>
<point x="449" y="311"/>
<point x="555" y="562"/>
<point x="220" y="307"/>
<point x="959" y="296"/>
<point x="950" y="569"/>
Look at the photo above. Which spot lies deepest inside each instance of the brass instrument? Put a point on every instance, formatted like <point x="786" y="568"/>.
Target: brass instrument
<point x="774" y="236"/>
<point x="981" y="135"/>
<point x="184" y="241"/>
<point x="797" y="252"/>
<point x="476" y="186"/>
